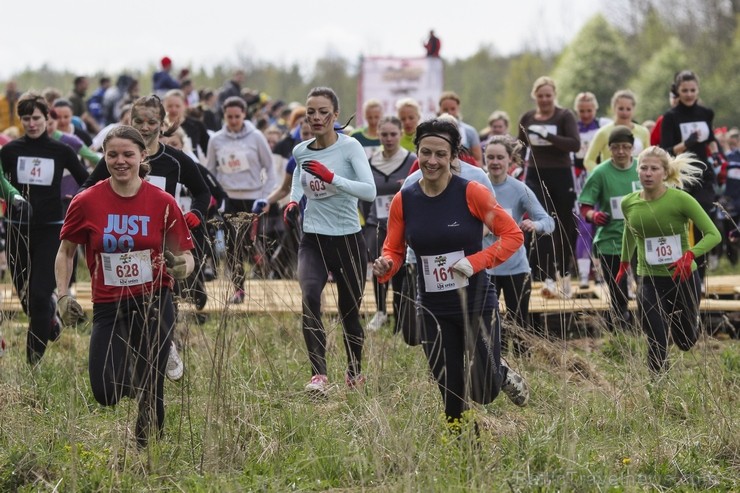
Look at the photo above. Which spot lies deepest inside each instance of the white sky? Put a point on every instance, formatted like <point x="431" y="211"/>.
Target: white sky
<point x="85" y="36"/>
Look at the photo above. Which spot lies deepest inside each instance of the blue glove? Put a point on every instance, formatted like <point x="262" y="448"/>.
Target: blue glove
<point x="258" y="205"/>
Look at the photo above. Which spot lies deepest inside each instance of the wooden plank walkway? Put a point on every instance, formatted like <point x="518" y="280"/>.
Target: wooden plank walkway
<point x="281" y="296"/>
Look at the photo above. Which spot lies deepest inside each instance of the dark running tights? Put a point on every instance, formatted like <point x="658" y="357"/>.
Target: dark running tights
<point x="346" y="258"/>
<point x="31" y="253"/>
<point x="129" y="345"/>
<point x="663" y="306"/>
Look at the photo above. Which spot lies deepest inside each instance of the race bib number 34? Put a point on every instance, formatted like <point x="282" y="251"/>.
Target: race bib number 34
<point x="438" y="273"/>
<point x="127" y="269"/>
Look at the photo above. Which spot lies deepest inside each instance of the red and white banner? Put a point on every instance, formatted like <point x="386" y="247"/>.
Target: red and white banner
<point x="389" y="79"/>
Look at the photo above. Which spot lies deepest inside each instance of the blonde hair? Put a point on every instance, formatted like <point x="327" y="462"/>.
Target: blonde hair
<point x="624" y="94"/>
<point x="408" y="103"/>
<point x="585" y="97"/>
<point x="371" y="103"/>
<point x="681" y="171"/>
<point x="541" y="82"/>
<point x="499" y="115"/>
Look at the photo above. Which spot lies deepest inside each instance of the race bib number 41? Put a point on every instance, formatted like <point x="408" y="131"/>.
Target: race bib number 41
<point x="127" y="269"/>
<point x="438" y="273"/>
<point x="35" y="171"/>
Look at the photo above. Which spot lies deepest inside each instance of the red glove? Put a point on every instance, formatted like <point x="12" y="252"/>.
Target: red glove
<point x="624" y="267"/>
<point x="598" y="218"/>
<point x="682" y="266"/>
<point x="192" y="220"/>
<point x="290" y="214"/>
<point x="318" y="170"/>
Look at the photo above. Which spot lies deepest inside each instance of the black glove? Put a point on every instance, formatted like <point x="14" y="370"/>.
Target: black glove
<point x="691" y="140"/>
<point x="20" y="209"/>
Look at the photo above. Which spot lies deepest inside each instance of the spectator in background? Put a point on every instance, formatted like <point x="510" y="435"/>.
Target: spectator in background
<point x="125" y="91"/>
<point x="409" y="112"/>
<point x="77" y="96"/>
<point x="368" y="136"/>
<point x="95" y="103"/>
<point x="232" y="87"/>
<point x="8" y="115"/>
<point x="551" y="132"/>
<point x="207" y="103"/>
<point x="191" y="95"/>
<point x="433" y="45"/>
<point x="623" y="108"/>
<point x="449" y="102"/>
<point x="34" y="164"/>
<point x="63" y="109"/>
<point x="688" y="127"/>
<point x="175" y="105"/>
<point x="162" y="81"/>
<point x="239" y="156"/>
<point x="295" y="121"/>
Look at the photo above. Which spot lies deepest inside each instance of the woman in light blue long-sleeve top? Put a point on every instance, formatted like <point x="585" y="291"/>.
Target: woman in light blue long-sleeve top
<point x="333" y="173"/>
<point x="513" y="276"/>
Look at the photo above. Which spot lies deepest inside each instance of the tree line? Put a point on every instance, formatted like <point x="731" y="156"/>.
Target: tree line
<point x="635" y="44"/>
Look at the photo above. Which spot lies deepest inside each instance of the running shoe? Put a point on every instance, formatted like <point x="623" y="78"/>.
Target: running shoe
<point x="238" y="297"/>
<point x="318" y="386"/>
<point x="515" y="387"/>
<point x="175" y="367"/>
<point x="377" y="321"/>
<point x="356" y="382"/>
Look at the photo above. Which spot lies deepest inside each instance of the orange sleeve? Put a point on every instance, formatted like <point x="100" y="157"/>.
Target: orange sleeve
<point x="483" y="205"/>
<point x="394" y="246"/>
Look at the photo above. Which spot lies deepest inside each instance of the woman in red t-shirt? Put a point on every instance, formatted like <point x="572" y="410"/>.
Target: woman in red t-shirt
<point x="136" y="241"/>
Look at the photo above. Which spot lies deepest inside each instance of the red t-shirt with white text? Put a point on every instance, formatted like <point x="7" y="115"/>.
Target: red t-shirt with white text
<point x="124" y="238"/>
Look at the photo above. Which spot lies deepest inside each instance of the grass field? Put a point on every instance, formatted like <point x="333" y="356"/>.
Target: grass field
<point x="239" y="420"/>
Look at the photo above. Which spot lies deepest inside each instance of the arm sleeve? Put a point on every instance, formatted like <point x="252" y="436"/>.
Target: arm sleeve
<point x="364" y="187"/>
<point x="570" y="140"/>
<point x="75" y="167"/>
<point x="89" y="155"/>
<point x="7" y="191"/>
<point x="100" y="173"/>
<point x="591" y="192"/>
<point x="296" y="192"/>
<point x="594" y="150"/>
<point x="211" y="157"/>
<point x="177" y="236"/>
<point x="484" y="206"/>
<point x="710" y="234"/>
<point x="543" y="222"/>
<point x="628" y="242"/>
<point x="394" y="246"/>
<point x="191" y="177"/>
<point x="669" y="133"/>
<point x="265" y="157"/>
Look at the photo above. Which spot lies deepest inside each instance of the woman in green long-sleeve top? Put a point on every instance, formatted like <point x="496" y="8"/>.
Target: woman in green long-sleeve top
<point x="656" y="223"/>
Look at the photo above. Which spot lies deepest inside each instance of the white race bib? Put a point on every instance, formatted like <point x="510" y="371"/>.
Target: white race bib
<point x="35" y="171"/>
<point x="438" y="273"/>
<point x="316" y="188"/>
<point x="663" y="249"/>
<point x="383" y="206"/>
<point x="158" y="181"/>
<point x="233" y="161"/>
<point x="127" y="269"/>
<point x="688" y="128"/>
<point x="616" y="203"/>
<point x="536" y="140"/>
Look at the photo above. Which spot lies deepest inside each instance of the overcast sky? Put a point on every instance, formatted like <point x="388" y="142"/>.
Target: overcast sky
<point x="85" y="36"/>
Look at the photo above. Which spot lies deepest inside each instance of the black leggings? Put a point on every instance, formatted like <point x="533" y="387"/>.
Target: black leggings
<point x="517" y="289"/>
<point x="665" y="305"/>
<point x="619" y="313"/>
<point x="346" y="258"/>
<point x="129" y="346"/>
<point x="374" y="238"/>
<point x="555" y="190"/>
<point x="31" y="253"/>
<point x="443" y="340"/>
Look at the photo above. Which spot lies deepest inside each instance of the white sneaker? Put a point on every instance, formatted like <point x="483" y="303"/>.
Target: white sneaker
<point x="318" y="386"/>
<point x="515" y="387"/>
<point x="549" y="289"/>
<point x="377" y="321"/>
<point x="175" y="368"/>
